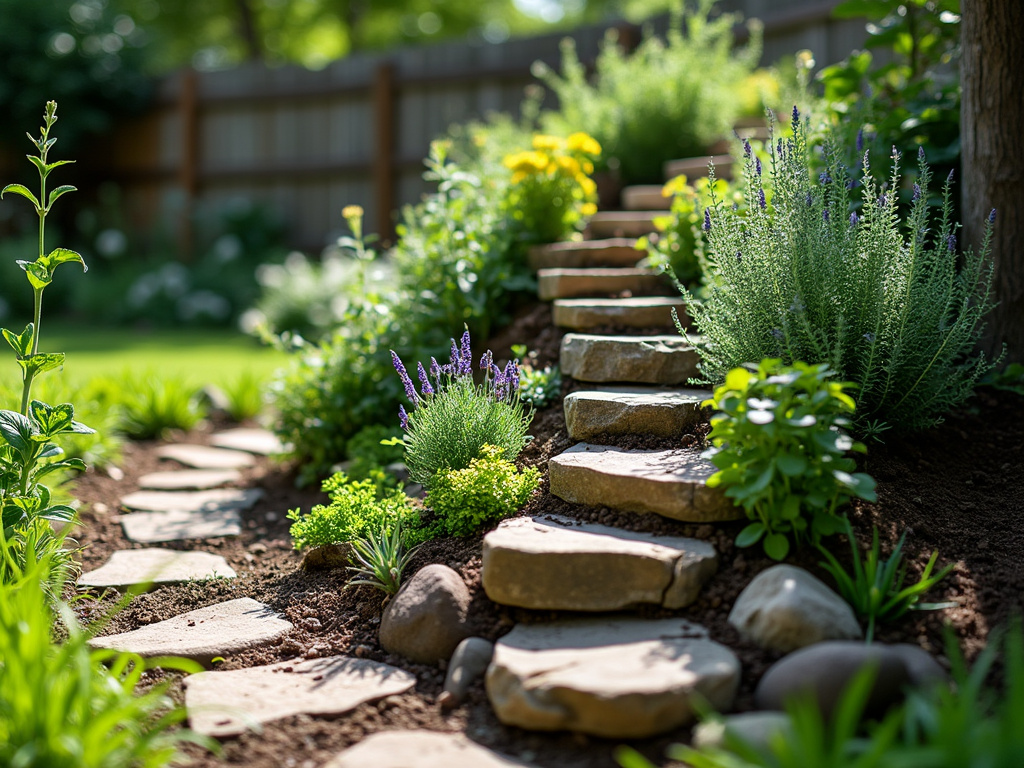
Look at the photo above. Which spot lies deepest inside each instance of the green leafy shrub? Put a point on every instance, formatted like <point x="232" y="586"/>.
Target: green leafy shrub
<point x="356" y="510"/>
<point x="780" y="450"/>
<point x="372" y="449"/>
<point x="245" y="395"/>
<point x="805" y="279"/>
<point x="151" y="406"/>
<point x="665" y="100"/>
<point x="537" y="386"/>
<point x="490" y="488"/>
<point x="454" y="418"/>
<point x="381" y="558"/>
<point x="875" y="588"/>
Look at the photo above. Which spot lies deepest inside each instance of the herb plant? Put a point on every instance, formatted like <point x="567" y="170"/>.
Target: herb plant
<point x="453" y="418"/>
<point x="151" y="406"/>
<point x="537" y="386"/>
<point x="780" y="450"/>
<point x="875" y="588"/>
<point x="245" y="396"/>
<point x="490" y="488"/>
<point x="804" y="278"/>
<point x="380" y="558"/>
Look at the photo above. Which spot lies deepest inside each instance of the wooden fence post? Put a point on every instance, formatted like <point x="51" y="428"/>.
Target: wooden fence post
<point x="188" y="173"/>
<point x="384" y="147"/>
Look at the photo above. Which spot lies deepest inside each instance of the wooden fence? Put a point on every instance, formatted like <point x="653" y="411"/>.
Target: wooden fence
<point x="306" y="143"/>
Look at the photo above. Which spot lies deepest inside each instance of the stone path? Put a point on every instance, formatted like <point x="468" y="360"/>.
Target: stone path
<point x="205" y="457"/>
<point x="132" y="567"/>
<point x="189" y="480"/>
<point x="422" y="749"/>
<point x="626" y="410"/>
<point x="668" y="359"/>
<point x="630" y="312"/>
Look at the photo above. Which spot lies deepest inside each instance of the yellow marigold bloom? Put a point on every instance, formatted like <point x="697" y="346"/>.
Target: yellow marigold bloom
<point x="588" y="167"/>
<point x="588" y="185"/>
<point x="526" y="162"/>
<point x="675" y="186"/>
<point x="588" y="209"/>
<point x="568" y="164"/>
<point x="352" y="212"/>
<point x="542" y="141"/>
<point x="518" y="177"/>
<point x="581" y="142"/>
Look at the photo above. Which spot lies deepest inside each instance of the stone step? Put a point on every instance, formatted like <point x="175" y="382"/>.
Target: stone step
<point x="134" y="567"/>
<point x="697" y="167"/>
<point x="669" y="483"/>
<point x="423" y="749"/>
<point x="205" y="456"/>
<point x="180" y="525"/>
<point x="203" y="634"/>
<point x="645" y="197"/>
<point x="613" y="252"/>
<point x="189" y="479"/>
<point x="556" y="563"/>
<point x="668" y="359"/>
<point x="230" y="702"/>
<point x="633" y="411"/>
<point x="621" y="224"/>
<point x="611" y="677"/>
<point x="213" y="500"/>
<point x="597" y="281"/>
<point x="261" y="442"/>
<point x="635" y="312"/>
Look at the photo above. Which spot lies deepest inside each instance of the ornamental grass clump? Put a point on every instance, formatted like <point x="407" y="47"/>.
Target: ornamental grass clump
<point x="453" y="417"/>
<point x="825" y="270"/>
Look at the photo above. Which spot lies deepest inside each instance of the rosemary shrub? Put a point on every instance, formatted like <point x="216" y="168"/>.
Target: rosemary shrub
<point x="811" y="275"/>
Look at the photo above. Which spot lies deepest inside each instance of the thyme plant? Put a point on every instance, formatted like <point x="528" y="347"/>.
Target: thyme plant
<point x="826" y="271"/>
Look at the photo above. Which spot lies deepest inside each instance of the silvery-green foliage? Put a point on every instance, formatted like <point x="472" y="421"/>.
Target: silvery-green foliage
<point x="825" y="271"/>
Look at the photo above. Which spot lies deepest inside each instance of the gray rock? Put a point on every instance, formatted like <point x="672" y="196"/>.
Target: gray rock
<point x="426" y="620"/>
<point x="633" y="411"/>
<point x="614" y="252"/>
<point x="668" y="359"/>
<point x="785" y="608"/>
<point x="922" y="667"/>
<point x="203" y="634"/>
<point x="228" y="703"/>
<point x="824" y="671"/>
<point x="669" y="483"/>
<point x="189" y="479"/>
<point x="468" y="663"/>
<point x="555" y="563"/>
<point x="214" y="500"/>
<point x="133" y="567"/>
<point x="597" y="281"/>
<point x="155" y="527"/>
<point x="420" y="749"/>
<point x="204" y="456"/>
<point x="262" y="442"/>
<point x="757" y="729"/>
<point x="635" y="312"/>
<point x="611" y="677"/>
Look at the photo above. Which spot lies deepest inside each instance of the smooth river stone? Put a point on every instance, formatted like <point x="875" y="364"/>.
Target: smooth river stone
<point x="205" y="456"/>
<point x="420" y="749"/>
<point x="262" y="442"/>
<point x="611" y="677"/>
<point x="189" y="479"/>
<point x="228" y="703"/>
<point x="132" y="567"/>
<point x="204" y="634"/>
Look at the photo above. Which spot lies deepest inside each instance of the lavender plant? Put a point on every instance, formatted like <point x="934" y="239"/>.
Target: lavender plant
<point x="453" y="417"/>
<point x="890" y="305"/>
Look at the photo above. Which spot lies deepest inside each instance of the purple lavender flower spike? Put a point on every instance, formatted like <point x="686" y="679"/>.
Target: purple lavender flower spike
<point x="453" y="357"/>
<point x="465" y="355"/>
<point x="824" y="215"/>
<point x="860" y="141"/>
<point x="746" y="148"/>
<point x="951" y="243"/>
<point x="883" y="201"/>
<point x="410" y="390"/>
<point x="917" y="193"/>
<point x="435" y="367"/>
<point x="854" y="219"/>
<point x="992" y="216"/>
<point x="757" y="165"/>
<point x="949" y="179"/>
<point x="824" y="178"/>
<point x="403" y="417"/>
<point x="920" y="152"/>
<point x="796" y="116"/>
<point x="425" y="387"/>
<point x="485" y="360"/>
<point x="760" y="199"/>
<point x="511" y="375"/>
<point x="707" y="220"/>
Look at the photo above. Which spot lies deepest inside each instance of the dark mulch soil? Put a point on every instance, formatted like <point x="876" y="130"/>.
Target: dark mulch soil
<point x="957" y="488"/>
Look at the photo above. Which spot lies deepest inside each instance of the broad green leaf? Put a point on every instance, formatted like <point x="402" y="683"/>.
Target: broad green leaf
<point x="791" y="508"/>
<point x="737" y="379"/>
<point x="16" y="429"/>
<point x="67" y="465"/>
<point x="21" y="344"/>
<point x="52" y="419"/>
<point x="62" y="190"/>
<point x="776" y="546"/>
<point x="79" y="428"/>
<point x="791" y="465"/>
<point x="49" y="451"/>
<point x="38" y="275"/>
<point x="750" y="534"/>
<point x="63" y="256"/>
<point x="36" y="364"/>
<point x="21" y="189"/>
<point x="58" y="512"/>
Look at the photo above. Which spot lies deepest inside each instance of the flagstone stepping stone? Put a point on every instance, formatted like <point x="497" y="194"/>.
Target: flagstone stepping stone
<point x="612" y="252"/>
<point x="189" y="479"/>
<point x="694" y="168"/>
<point x="645" y="197"/>
<point x="422" y="749"/>
<point x="633" y="411"/>
<point x="204" y="634"/>
<point x="556" y="563"/>
<point x="633" y="312"/>
<point x="262" y="442"/>
<point x="669" y="359"/>
<point x="131" y="567"/>
<point x="605" y="224"/>
<point x="229" y="703"/>
<point x="612" y="677"/>
<point x="217" y="499"/>
<point x="179" y="525"/>
<point x="205" y="456"/>
<point x="668" y="483"/>
<point x="597" y="281"/>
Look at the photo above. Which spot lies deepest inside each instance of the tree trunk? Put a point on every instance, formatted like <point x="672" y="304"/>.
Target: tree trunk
<point x="992" y="138"/>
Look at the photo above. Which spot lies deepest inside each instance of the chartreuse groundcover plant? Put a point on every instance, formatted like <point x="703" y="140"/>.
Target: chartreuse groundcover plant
<point x="780" y="448"/>
<point x="825" y="270"/>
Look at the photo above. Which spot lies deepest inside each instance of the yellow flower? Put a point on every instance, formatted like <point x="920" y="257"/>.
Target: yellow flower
<point x="542" y="141"/>
<point x="588" y="209"/>
<point x="588" y="167"/>
<point x="526" y="162"/>
<point x="518" y="176"/>
<point x="352" y="212"/>
<point x="568" y="164"/>
<point x="675" y="186"/>
<point x="581" y="142"/>
<point x="587" y="184"/>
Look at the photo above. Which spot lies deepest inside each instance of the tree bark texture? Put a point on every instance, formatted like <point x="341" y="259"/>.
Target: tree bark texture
<point x="992" y="139"/>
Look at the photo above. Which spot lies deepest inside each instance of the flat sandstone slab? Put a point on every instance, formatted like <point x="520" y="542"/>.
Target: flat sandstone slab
<point x="262" y="442"/>
<point x="668" y="483"/>
<point x="229" y="703"/>
<point x="633" y="411"/>
<point x="634" y="312"/>
<point x="132" y="567"/>
<point x="610" y="677"/>
<point x="668" y="359"/>
<point x="596" y="281"/>
<point x="420" y="749"/>
<point x="645" y="197"/>
<point x="621" y="224"/>
<point x="204" y="634"/>
<point x="205" y="456"/>
<point x="189" y="479"/>
<point x="556" y="563"/>
<point x="176" y="525"/>
<point x="613" y="252"/>
<point x="215" y="500"/>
